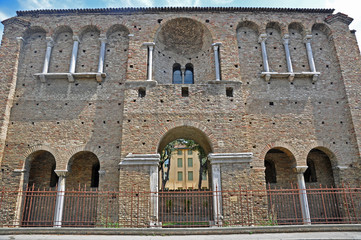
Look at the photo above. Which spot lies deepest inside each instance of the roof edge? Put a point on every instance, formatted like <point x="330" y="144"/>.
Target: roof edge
<point x="171" y="9"/>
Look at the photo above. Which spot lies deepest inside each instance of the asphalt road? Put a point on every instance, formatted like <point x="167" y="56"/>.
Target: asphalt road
<point x="273" y="236"/>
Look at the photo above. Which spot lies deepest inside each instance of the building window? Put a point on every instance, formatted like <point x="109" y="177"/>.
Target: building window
<point x="180" y="162"/>
<point x="190" y="152"/>
<point x="95" y="175"/>
<point x="177" y="74"/>
<point x="179" y="152"/>
<point x="310" y="173"/>
<point x="180" y="176"/>
<point x="190" y="176"/>
<point x="270" y="172"/>
<point x="188" y="75"/>
<point x="53" y="177"/>
<point x="190" y="162"/>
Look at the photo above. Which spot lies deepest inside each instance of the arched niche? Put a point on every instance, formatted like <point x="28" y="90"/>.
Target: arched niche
<point x="183" y="40"/>
<point x="297" y="47"/>
<point x="34" y="52"/>
<point x="324" y="51"/>
<point x="249" y="50"/>
<point x="61" y="52"/>
<point x="275" y="49"/>
<point x="39" y="170"/>
<point x="320" y="169"/>
<point x="88" y="52"/>
<point x="83" y="168"/>
<point x="116" y="54"/>
<point x="280" y="161"/>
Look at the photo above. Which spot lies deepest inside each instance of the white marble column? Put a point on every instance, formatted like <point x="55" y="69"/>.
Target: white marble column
<point x="59" y="205"/>
<point x="103" y="41"/>
<point x="151" y="160"/>
<point x="216" y="160"/>
<point x="311" y="62"/>
<point x="49" y="47"/>
<point x="303" y="194"/>
<point x="74" y="54"/>
<point x="150" y="49"/>
<point x="216" y="60"/>
<point x="286" y="39"/>
<point x="262" y="40"/>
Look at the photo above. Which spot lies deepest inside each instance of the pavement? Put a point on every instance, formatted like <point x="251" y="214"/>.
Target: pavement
<point x="273" y="236"/>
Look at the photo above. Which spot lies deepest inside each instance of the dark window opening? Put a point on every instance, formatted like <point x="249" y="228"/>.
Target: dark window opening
<point x="270" y="172"/>
<point x="53" y="177"/>
<point x="185" y="92"/>
<point x="188" y="74"/>
<point x="141" y="92"/>
<point x="177" y="74"/>
<point x="95" y="175"/>
<point x="310" y="173"/>
<point x="229" y="92"/>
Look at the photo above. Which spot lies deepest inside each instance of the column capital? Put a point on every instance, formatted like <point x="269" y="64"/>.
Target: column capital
<point x="20" y="39"/>
<point x="339" y="167"/>
<point x="140" y="159"/>
<point x="300" y="169"/>
<point x="61" y="173"/>
<point x="307" y="38"/>
<point x="262" y="37"/>
<point x="286" y="39"/>
<point x="148" y="44"/>
<point x="103" y="39"/>
<point x="49" y="42"/>
<point x="76" y="38"/>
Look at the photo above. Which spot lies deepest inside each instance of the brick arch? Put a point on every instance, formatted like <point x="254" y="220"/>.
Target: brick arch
<point x="251" y="24"/>
<point x="34" y="29"/>
<point x="87" y="28"/>
<point x="289" y="150"/>
<point x="323" y="28"/>
<point x="327" y="148"/>
<point x="158" y="27"/>
<point x="93" y="149"/>
<point x="116" y="27"/>
<point x="207" y="138"/>
<point x="33" y="149"/>
<point x="299" y="26"/>
<point x="59" y="29"/>
<point x="282" y="28"/>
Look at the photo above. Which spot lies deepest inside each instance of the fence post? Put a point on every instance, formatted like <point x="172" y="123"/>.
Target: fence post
<point x="59" y="204"/>
<point x="303" y="195"/>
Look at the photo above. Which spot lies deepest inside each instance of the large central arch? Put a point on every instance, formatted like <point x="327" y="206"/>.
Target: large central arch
<point x="186" y="132"/>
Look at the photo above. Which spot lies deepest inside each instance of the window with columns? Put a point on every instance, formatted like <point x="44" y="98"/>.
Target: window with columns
<point x="183" y="75"/>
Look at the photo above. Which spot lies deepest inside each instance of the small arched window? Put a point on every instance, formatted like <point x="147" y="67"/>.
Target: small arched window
<point x="310" y="173"/>
<point x="95" y="175"/>
<point x="270" y="172"/>
<point x="188" y="75"/>
<point x="177" y="74"/>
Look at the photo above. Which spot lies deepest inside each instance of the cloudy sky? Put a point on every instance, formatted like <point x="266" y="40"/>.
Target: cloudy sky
<point x="352" y="8"/>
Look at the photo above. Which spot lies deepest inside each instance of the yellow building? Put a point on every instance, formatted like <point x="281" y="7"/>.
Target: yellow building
<point x="184" y="170"/>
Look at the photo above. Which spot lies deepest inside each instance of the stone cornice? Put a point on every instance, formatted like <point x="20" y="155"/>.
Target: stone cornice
<point x="339" y="17"/>
<point x="140" y="160"/>
<point x="224" y="158"/>
<point x="168" y="9"/>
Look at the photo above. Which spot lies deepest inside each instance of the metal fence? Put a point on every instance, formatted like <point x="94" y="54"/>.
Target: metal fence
<point x="178" y="208"/>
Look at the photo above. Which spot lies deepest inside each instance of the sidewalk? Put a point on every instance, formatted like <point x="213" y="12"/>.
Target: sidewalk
<point x="303" y="235"/>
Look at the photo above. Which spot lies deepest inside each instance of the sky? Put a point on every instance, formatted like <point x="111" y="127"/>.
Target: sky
<point x="352" y="8"/>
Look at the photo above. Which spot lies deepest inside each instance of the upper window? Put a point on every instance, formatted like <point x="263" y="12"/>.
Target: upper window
<point x="177" y="74"/>
<point x="183" y="75"/>
<point x="188" y="75"/>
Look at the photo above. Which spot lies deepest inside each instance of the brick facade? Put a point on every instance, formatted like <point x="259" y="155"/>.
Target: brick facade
<point x="283" y="120"/>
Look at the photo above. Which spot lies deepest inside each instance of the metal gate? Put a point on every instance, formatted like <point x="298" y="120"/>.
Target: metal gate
<point x="186" y="208"/>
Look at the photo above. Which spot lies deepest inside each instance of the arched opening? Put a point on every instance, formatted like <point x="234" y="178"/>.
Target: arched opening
<point x="185" y="199"/>
<point x="61" y="53"/>
<point x="183" y="41"/>
<point x="275" y="48"/>
<point x="88" y="52"/>
<point x="37" y="202"/>
<point x="279" y="163"/>
<point x="40" y="167"/>
<point x="297" y="47"/>
<point x="177" y="74"/>
<point x="319" y="170"/>
<point x="83" y="170"/>
<point x="188" y="74"/>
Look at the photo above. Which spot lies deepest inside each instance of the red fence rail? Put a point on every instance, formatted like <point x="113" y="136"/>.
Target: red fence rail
<point x="190" y="208"/>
